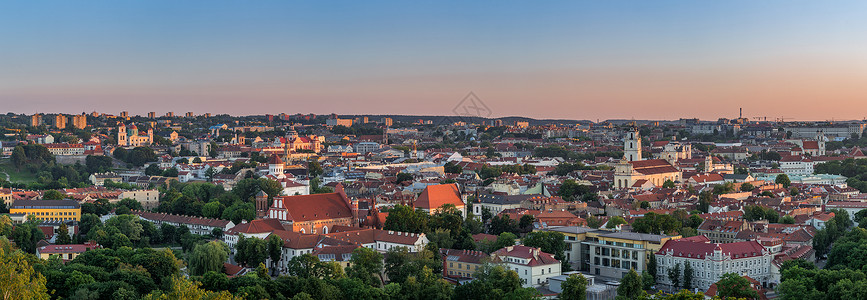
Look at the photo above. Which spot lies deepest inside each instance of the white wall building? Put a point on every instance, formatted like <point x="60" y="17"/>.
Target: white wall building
<point x="532" y="265"/>
<point x="710" y="261"/>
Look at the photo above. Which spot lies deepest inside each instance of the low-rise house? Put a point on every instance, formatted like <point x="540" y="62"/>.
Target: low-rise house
<point x="462" y="263"/>
<point x="533" y="266"/>
<point x="64" y="252"/>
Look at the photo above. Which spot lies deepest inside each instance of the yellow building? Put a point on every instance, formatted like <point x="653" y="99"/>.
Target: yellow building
<point x="462" y="263"/>
<point x="48" y="210"/>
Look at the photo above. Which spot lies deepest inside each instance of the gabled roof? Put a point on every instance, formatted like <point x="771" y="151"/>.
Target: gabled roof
<point x="653" y="166"/>
<point x="302" y="208"/>
<point x="435" y="196"/>
<point x="698" y="250"/>
<point x="257" y="226"/>
<point x="535" y="256"/>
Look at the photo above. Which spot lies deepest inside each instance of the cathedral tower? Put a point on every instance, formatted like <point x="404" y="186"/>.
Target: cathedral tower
<point x="632" y="145"/>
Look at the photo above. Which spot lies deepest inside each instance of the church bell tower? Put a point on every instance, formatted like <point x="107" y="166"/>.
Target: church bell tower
<point x="632" y="145"/>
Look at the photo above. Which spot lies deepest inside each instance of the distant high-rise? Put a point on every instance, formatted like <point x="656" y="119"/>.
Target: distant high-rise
<point x="60" y="121"/>
<point x="124" y="114"/>
<point x="207" y="115"/>
<point x="152" y="115"/>
<point x="189" y="114"/>
<point x="170" y="114"/>
<point x="79" y="121"/>
<point x="387" y="122"/>
<point x="36" y="120"/>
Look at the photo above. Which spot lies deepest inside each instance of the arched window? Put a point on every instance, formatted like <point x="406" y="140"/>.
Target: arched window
<point x="302" y="230"/>
<point x="324" y="229"/>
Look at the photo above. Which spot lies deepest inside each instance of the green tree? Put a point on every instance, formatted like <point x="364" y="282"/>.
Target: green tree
<point x="733" y="285"/>
<point x="270" y="187"/>
<point x="26" y="236"/>
<point x="452" y="168"/>
<point x="688" y="274"/>
<point x="570" y="190"/>
<point x="668" y="184"/>
<point x="674" y="276"/>
<point x="652" y="266"/>
<point x="18" y="279"/>
<point x="153" y="170"/>
<point x="404" y="218"/>
<point x="494" y="282"/>
<point x="593" y="222"/>
<point x="631" y="286"/>
<point x="208" y="257"/>
<point x="746" y="187"/>
<point x="574" y="288"/>
<point x="614" y="221"/>
<point x="63" y="235"/>
<point x="549" y="242"/>
<point x="314" y="169"/>
<point x="53" y="195"/>
<point x="502" y="223"/>
<point x="425" y="284"/>
<point x="784" y="180"/>
<point x="213" y="209"/>
<point x="275" y="249"/>
<point x="526" y="222"/>
<point x="401" y="177"/>
<point x="366" y="265"/>
<point x="250" y="251"/>
<point x="19" y="158"/>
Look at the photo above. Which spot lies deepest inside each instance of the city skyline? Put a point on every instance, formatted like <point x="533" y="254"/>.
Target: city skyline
<point x="565" y="60"/>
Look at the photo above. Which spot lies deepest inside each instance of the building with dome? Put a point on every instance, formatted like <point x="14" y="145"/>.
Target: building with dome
<point x="128" y="135"/>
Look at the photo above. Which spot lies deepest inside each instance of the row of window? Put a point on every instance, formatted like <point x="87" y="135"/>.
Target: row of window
<point x="62" y="213"/>
<point x="615" y="263"/>
<point x="616" y="253"/>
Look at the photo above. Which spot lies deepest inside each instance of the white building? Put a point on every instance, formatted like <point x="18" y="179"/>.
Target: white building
<point x="710" y="261"/>
<point x="532" y="265"/>
<point x="365" y="147"/>
<point x="797" y="165"/>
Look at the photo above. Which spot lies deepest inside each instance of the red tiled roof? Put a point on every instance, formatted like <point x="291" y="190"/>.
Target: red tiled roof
<point x="435" y="196"/>
<point x="698" y="250"/>
<point x="535" y="256"/>
<point x="257" y="226"/>
<point x="302" y="208"/>
<point x="653" y="166"/>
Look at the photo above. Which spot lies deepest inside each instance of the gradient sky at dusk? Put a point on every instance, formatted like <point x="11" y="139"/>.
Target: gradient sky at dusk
<point x="550" y="59"/>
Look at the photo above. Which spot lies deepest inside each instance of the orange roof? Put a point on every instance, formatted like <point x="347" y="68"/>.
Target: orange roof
<point x="435" y="196"/>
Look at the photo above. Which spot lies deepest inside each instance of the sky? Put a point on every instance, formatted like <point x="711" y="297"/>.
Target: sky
<point x="592" y="60"/>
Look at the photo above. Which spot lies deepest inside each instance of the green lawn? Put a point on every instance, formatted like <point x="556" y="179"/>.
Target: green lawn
<point x="15" y="176"/>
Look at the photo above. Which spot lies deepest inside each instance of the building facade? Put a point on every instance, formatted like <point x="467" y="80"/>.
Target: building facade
<point x="48" y="210"/>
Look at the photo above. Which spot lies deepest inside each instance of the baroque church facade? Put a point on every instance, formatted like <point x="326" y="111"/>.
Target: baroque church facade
<point x="634" y="171"/>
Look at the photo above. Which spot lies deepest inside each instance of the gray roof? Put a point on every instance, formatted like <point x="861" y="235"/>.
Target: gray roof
<point x="45" y="204"/>
<point x="736" y="176"/>
<point x="505" y="199"/>
<point x="571" y="229"/>
<point x="636" y="236"/>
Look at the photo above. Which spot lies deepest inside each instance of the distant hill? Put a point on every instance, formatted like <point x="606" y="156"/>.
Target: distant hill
<point x="476" y="120"/>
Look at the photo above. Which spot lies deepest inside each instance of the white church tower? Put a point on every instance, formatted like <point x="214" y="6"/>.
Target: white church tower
<point x="632" y="145"/>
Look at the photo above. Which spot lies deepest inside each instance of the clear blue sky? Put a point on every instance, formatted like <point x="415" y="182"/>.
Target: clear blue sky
<point x="558" y="59"/>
